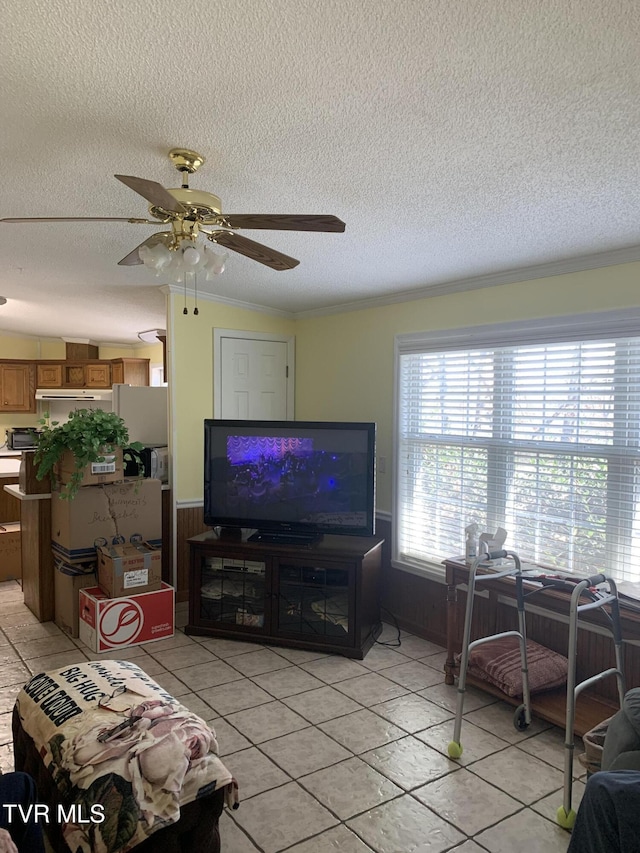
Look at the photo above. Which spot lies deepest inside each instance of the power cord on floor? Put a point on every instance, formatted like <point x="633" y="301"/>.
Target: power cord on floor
<point x="397" y="642"/>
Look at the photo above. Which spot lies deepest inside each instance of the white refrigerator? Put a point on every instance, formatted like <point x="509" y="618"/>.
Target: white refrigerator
<point x="144" y="409"/>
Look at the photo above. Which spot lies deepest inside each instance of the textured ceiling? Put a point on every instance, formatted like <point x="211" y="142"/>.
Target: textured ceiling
<point x="456" y="139"/>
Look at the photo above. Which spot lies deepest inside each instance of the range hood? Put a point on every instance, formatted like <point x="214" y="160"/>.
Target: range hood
<point x="76" y="394"/>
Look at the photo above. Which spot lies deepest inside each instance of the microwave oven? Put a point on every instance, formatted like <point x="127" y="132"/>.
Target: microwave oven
<point x="22" y="438"/>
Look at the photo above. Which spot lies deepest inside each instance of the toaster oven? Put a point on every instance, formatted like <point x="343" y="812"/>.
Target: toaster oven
<point x="22" y="438"/>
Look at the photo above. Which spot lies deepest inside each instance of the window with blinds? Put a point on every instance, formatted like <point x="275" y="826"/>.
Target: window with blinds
<point x="541" y="439"/>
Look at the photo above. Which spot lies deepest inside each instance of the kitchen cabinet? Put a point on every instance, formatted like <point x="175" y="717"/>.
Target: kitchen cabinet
<point x="323" y="597"/>
<point x="73" y="374"/>
<point x="17" y="386"/>
<point x="130" y="371"/>
<point x="97" y="375"/>
<point x="86" y="374"/>
<point x="92" y="373"/>
<point x="48" y="375"/>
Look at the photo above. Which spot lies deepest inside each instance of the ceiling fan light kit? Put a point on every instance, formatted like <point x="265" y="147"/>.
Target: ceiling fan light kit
<point x="187" y="259"/>
<point x="195" y="216"/>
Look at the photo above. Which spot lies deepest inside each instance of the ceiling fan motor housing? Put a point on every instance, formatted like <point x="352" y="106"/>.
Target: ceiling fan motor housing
<point x="201" y="205"/>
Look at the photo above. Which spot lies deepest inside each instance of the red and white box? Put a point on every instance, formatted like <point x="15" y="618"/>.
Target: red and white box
<point x="108" y="624"/>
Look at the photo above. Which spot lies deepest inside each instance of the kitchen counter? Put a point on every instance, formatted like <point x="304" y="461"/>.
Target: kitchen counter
<point x="15" y="490"/>
<point x="9" y="466"/>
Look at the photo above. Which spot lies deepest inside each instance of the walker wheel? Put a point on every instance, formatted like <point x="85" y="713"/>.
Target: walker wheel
<point x="520" y="719"/>
<point x="454" y="749"/>
<point x="565" y="820"/>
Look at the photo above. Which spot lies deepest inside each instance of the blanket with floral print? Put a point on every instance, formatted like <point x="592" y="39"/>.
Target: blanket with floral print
<point x="121" y="750"/>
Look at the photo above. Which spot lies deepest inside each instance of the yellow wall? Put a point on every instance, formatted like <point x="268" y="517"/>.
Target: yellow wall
<point x="52" y="349"/>
<point x="190" y="366"/>
<point x="11" y="347"/>
<point x="151" y="351"/>
<point x="344" y="362"/>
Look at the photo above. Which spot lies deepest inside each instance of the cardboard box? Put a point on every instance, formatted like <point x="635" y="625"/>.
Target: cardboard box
<point x="96" y="473"/>
<point x="10" y="551"/>
<point x="68" y="581"/>
<point x="129" y="569"/>
<point x="104" y="515"/>
<point x="109" y="624"/>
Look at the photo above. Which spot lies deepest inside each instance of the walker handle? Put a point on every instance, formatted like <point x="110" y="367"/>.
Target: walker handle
<point x="496" y="555"/>
<point x="594" y="580"/>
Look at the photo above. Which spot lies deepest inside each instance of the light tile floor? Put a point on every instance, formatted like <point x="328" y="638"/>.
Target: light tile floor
<point x="336" y="754"/>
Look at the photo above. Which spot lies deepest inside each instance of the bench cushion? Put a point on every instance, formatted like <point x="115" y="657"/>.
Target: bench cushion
<point x="498" y="662"/>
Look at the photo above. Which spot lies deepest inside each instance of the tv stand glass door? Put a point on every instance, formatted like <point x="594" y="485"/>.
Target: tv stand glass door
<point x="233" y="591"/>
<point x="314" y="601"/>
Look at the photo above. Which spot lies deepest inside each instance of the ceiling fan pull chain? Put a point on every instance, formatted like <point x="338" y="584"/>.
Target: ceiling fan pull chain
<point x="195" y="287"/>
<point x="184" y="310"/>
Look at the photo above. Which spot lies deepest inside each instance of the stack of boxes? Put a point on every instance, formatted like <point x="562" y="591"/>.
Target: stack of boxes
<point x="106" y="545"/>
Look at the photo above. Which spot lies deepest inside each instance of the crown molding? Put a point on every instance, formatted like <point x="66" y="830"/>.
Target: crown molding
<point x="614" y="257"/>
<point x="179" y="290"/>
<point x="580" y="263"/>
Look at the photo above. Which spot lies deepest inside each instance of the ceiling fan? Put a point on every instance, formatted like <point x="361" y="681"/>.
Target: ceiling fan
<point x="191" y="213"/>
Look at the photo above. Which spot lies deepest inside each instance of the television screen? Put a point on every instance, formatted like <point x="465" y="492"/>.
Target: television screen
<point x="290" y="478"/>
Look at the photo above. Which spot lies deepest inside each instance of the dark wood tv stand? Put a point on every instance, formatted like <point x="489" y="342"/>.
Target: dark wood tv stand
<point x="324" y="596"/>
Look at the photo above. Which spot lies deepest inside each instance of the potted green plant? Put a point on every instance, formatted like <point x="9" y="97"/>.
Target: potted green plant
<point x="89" y="434"/>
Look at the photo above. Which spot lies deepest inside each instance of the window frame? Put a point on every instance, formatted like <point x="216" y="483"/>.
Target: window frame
<point x="582" y="327"/>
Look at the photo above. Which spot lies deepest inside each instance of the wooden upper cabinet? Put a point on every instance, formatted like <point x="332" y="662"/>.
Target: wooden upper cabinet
<point x="17" y="387"/>
<point x="117" y="372"/>
<point x="86" y="374"/>
<point x="48" y="375"/>
<point x="73" y="374"/>
<point x="98" y="375"/>
<point x="92" y="373"/>
<point x="130" y="371"/>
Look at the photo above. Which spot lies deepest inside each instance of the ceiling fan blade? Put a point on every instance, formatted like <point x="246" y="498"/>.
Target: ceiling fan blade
<point x="285" y="222"/>
<point x="255" y="251"/>
<point x="133" y="257"/>
<point x="153" y="192"/>
<point x="79" y="219"/>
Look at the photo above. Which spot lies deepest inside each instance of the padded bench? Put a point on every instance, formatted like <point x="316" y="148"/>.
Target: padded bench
<point x="121" y="764"/>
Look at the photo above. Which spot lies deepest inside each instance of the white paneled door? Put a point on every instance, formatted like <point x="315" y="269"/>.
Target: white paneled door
<point x="254" y="377"/>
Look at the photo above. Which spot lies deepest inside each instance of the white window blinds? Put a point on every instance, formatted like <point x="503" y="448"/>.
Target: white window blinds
<point x="542" y="439"/>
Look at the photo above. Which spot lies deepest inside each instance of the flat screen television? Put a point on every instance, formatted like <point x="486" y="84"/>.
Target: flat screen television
<point x="290" y="480"/>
